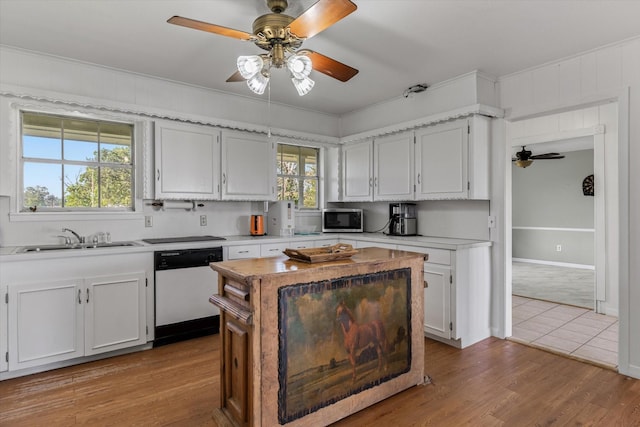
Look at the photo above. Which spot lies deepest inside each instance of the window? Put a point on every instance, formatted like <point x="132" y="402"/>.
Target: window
<point x="70" y="163"/>
<point x="298" y="175"/>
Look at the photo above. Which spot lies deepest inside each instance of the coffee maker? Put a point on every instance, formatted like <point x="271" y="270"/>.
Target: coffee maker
<point x="402" y="219"/>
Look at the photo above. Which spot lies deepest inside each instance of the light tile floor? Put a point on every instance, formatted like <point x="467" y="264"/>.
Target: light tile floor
<point x="573" y="331"/>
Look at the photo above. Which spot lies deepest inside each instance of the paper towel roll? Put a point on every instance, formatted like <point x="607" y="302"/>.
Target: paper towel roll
<point x="174" y="204"/>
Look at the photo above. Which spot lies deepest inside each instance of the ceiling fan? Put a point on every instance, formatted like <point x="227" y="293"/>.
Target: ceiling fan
<point x="282" y="36"/>
<point x="524" y="157"/>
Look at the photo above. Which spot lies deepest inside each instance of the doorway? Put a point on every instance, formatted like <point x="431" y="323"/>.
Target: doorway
<point x="606" y="286"/>
<point x="553" y="231"/>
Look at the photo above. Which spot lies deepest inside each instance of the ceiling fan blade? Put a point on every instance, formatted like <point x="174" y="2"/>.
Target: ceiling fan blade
<point x="210" y="28"/>
<point x="321" y="16"/>
<point x="236" y="77"/>
<point x="547" y="156"/>
<point x="328" y="66"/>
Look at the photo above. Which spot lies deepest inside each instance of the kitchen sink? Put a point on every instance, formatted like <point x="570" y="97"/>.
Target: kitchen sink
<point x="42" y="248"/>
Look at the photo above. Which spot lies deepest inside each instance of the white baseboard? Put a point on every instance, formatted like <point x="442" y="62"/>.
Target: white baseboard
<point x="554" y="263"/>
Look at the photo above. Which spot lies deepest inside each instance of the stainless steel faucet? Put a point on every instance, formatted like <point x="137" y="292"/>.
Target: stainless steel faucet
<point x="79" y="237"/>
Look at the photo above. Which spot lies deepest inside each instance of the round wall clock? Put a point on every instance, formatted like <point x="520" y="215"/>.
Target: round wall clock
<point x="587" y="186"/>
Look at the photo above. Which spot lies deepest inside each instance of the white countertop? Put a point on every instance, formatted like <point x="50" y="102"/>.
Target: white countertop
<point x="11" y="252"/>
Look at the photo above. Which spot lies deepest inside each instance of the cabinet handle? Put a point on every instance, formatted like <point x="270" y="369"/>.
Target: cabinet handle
<point x="243" y="252"/>
<point x="375" y="181"/>
<point x="426" y="284"/>
<point x="370" y="182"/>
<point x="87" y="295"/>
<point x="79" y="296"/>
<point x="224" y="178"/>
<point x="419" y="179"/>
<point x="158" y="173"/>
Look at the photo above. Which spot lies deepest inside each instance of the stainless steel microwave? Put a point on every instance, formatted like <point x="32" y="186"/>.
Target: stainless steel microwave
<point x="338" y="220"/>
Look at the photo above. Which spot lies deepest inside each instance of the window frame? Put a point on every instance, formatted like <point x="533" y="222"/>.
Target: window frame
<point x="319" y="175"/>
<point x="140" y="143"/>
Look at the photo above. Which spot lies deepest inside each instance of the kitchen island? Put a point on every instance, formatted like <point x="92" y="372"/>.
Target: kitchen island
<point x="311" y="343"/>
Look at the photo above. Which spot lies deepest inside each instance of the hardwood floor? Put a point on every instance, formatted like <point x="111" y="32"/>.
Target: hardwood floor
<point x="493" y="383"/>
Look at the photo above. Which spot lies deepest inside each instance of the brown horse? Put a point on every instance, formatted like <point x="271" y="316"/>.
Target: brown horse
<point x="359" y="336"/>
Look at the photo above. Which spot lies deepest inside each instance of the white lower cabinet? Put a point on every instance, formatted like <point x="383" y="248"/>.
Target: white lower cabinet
<point x="243" y="251"/>
<point x="457" y="293"/>
<point x="4" y="365"/>
<point x="114" y="312"/>
<point x="56" y="309"/>
<point x="59" y="320"/>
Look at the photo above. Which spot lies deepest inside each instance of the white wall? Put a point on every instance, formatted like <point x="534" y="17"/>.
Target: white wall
<point x="608" y="74"/>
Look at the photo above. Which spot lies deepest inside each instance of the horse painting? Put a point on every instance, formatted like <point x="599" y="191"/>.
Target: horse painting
<point x="358" y="337"/>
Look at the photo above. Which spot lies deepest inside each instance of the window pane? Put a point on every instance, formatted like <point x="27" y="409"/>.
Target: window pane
<point x="290" y="159"/>
<point x="115" y="190"/>
<point x="115" y="143"/>
<point x="41" y="147"/>
<point x="80" y="150"/>
<point x="310" y="198"/>
<point x="42" y="185"/>
<point x="290" y="189"/>
<point x="309" y="158"/>
<point x="80" y="186"/>
<point x="115" y="153"/>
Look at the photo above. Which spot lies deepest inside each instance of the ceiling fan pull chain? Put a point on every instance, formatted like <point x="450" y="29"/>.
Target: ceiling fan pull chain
<point x="269" y="109"/>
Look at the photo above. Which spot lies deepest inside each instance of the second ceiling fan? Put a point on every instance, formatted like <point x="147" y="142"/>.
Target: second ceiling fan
<point x="524" y="157"/>
<point x="282" y="36"/>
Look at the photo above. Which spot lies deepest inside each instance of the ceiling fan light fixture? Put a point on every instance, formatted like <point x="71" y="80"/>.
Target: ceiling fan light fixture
<point x="303" y="85"/>
<point x="249" y="65"/>
<point x="523" y="163"/>
<point x="300" y="66"/>
<point x="258" y="83"/>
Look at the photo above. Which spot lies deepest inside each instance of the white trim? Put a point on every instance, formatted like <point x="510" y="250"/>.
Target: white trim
<point x="75" y="216"/>
<point x="558" y="136"/>
<point x="624" y="265"/>
<point x="458" y="113"/>
<point x="581" y="230"/>
<point x="554" y="263"/>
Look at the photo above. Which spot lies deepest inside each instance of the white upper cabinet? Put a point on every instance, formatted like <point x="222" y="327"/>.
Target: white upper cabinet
<point x="452" y="160"/>
<point x="357" y="172"/>
<point x="187" y="164"/>
<point x="382" y="170"/>
<point x="248" y="167"/>
<point x="393" y="167"/>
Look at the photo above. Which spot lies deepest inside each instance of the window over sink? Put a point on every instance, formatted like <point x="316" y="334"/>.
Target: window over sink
<point x="75" y="164"/>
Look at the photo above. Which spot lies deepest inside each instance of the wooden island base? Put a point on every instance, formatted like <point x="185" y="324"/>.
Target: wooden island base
<point x="308" y="344"/>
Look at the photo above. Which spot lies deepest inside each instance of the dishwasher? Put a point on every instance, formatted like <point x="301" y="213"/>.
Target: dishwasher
<point x="183" y="284"/>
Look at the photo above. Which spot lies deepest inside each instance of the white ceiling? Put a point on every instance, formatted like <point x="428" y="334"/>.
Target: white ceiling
<point x="394" y="43"/>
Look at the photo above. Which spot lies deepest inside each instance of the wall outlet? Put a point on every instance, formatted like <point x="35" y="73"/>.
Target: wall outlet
<point x="148" y="221"/>
<point x="203" y="220"/>
<point x="558" y="248"/>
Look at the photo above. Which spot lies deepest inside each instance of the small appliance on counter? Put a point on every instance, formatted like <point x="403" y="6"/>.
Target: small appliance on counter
<point x="402" y="219"/>
<point x="282" y="218"/>
<point x="342" y="220"/>
<point x="256" y="225"/>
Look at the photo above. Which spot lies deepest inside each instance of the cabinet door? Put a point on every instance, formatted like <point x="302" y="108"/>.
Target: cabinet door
<point x="236" y="370"/>
<point x="46" y="322"/>
<point x="437" y="300"/>
<point x="3" y="329"/>
<point x="393" y="167"/>
<point x="273" y="249"/>
<point x="187" y="161"/>
<point x="442" y="161"/>
<point x="115" y="312"/>
<point x="357" y="173"/>
<point x="248" y="167"/>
